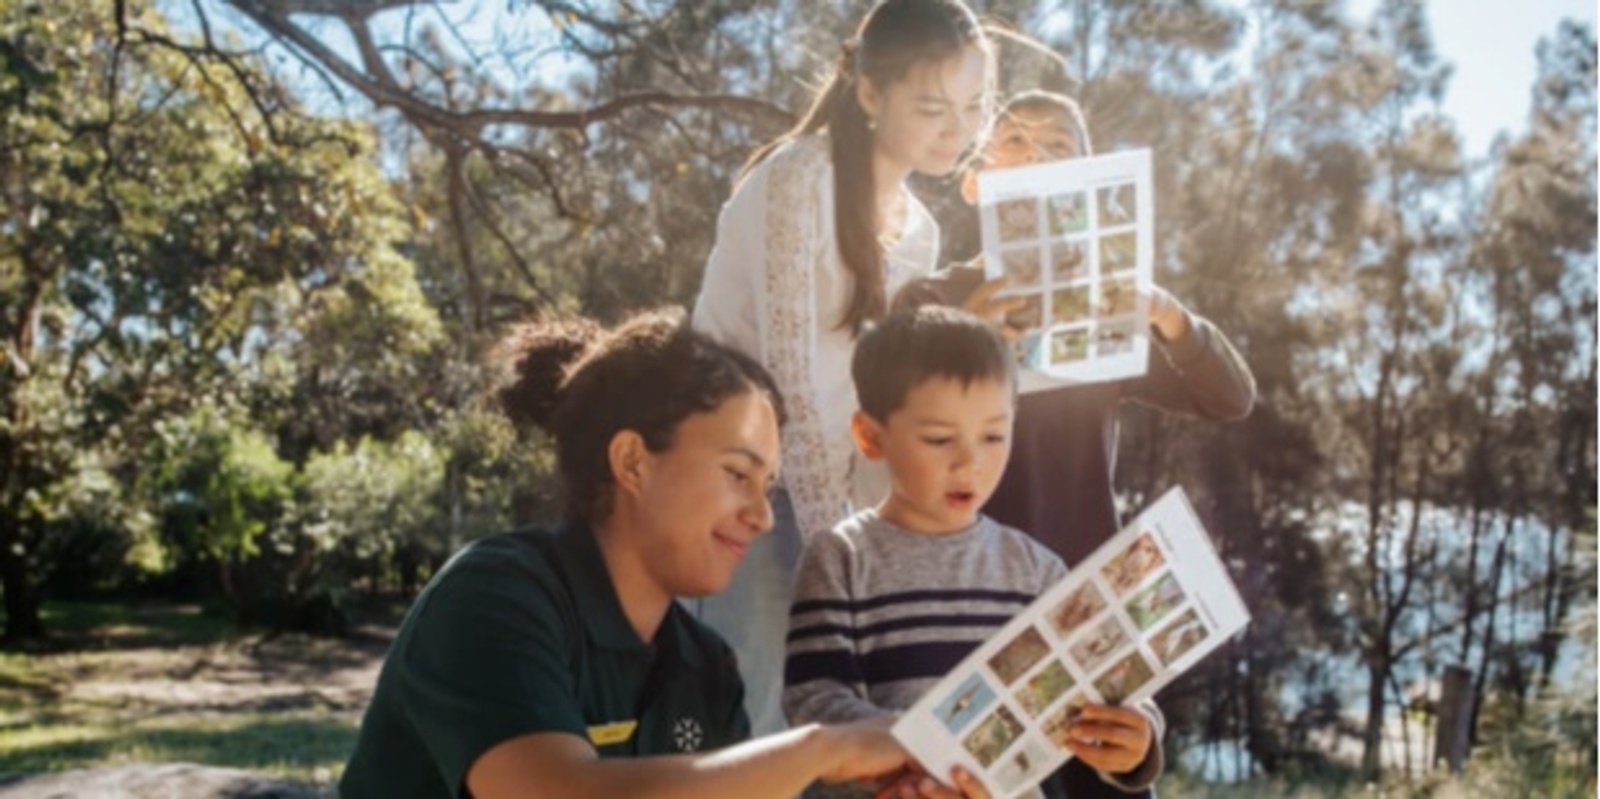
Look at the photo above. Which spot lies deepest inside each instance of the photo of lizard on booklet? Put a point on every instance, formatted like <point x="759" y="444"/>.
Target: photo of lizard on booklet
<point x="1141" y="610"/>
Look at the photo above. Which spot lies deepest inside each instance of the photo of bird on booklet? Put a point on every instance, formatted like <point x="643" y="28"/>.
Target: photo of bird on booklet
<point x="1074" y="241"/>
<point x="1143" y="609"/>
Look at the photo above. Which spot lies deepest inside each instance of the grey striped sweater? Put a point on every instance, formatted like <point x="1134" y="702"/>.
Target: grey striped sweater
<point x="881" y="614"/>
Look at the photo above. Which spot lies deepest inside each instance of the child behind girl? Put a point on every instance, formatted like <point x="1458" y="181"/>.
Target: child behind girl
<point x="1058" y="481"/>
<point x="1058" y="484"/>
<point x="820" y="230"/>
<point x="892" y="599"/>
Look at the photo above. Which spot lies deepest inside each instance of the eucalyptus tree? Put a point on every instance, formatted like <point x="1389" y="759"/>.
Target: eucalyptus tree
<point x="168" y="222"/>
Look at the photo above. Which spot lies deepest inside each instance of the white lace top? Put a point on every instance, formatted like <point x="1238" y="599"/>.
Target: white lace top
<point x="776" y="288"/>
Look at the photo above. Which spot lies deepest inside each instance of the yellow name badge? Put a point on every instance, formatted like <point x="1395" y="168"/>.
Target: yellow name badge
<point x="611" y="734"/>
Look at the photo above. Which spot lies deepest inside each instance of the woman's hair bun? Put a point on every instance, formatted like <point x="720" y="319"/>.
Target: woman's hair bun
<point x="537" y="357"/>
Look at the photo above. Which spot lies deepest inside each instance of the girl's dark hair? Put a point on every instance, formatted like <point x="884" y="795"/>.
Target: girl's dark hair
<point x="1041" y="100"/>
<point x="910" y="347"/>
<point x="583" y="384"/>
<point x="895" y="36"/>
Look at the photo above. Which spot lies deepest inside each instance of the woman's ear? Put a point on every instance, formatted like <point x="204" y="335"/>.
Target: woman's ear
<point x="868" y="435"/>
<point x="630" y="461"/>
<point x="868" y="97"/>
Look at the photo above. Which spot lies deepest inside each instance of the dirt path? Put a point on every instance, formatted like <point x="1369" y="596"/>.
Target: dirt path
<point x="251" y="674"/>
<point x="286" y="706"/>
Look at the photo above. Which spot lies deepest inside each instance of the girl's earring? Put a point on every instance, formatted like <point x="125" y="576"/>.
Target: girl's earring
<point x="872" y="123"/>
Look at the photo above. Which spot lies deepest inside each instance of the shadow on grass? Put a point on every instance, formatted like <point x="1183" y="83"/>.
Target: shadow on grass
<point x="19" y="687"/>
<point x="100" y="626"/>
<point x="290" y="747"/>
<point x="81" y="626"/>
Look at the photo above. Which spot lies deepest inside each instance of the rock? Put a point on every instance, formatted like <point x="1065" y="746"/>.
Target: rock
<point x="156" y="781"/>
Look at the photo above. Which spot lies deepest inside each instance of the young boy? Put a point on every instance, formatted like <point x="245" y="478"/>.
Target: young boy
<point x="893" y="598"/>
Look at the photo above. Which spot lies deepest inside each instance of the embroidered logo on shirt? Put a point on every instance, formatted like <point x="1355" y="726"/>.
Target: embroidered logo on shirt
<point x="614" y="733"/>
<point x="686" y="733"/>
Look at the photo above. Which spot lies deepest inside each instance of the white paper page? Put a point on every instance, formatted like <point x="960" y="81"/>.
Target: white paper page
<point x="1141" y="610"/>
<point x="1076" y="239"/>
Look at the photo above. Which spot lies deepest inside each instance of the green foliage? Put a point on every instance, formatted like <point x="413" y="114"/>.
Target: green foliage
<point x="368" y="498"/>
<point x="177" y="232"/>
<point x="220" y="486"/>
<point x="1548" y="746"/>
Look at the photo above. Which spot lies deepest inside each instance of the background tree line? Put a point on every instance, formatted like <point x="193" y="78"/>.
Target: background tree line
<point x="252" y="253"/>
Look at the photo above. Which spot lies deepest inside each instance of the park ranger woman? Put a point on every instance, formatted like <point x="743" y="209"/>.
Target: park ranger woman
<point x="558" y="664"/>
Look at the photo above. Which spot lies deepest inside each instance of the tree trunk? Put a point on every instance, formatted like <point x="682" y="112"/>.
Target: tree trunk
<point x="1260" y="738"/>
<point x="22" y="605"/>
<point x="1454" y="733"/>
<point x="1555" y="602"/>
<point x="1372" y="740"/>
<point x="1486" y="652"/>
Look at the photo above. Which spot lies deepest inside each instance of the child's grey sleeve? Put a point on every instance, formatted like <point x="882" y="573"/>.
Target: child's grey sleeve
<point x="822" y="677"/>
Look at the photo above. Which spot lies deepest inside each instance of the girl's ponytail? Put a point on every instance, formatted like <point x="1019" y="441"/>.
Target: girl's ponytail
<point x="895" y="36"/>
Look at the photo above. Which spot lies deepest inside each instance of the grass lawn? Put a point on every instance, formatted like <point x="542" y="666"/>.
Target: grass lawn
<point x="174" y="683"/>
<point x="170" y="683"/>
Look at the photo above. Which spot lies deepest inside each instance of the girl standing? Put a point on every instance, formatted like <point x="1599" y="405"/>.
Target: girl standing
<point x="820" y="230"/>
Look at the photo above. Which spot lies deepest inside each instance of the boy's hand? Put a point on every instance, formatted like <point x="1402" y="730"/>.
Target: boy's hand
<point x="1167" y="315"/>
<point x="984" y="304"/>
<point x="1112" y="740"/>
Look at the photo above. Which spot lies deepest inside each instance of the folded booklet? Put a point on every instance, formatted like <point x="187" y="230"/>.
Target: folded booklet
<point x="1141" y="610"/>
<point x="1074" y="238"/>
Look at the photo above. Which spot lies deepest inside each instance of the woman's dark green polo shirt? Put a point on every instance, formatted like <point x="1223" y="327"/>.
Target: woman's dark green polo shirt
<point x="520" y="633"/>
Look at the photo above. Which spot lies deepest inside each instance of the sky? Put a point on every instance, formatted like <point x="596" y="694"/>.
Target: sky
<point x="1491" y="44"/>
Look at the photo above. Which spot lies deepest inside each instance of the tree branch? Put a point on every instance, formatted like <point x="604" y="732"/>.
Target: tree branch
<point x="486" y="216"/>
<point x="379" y="86"/>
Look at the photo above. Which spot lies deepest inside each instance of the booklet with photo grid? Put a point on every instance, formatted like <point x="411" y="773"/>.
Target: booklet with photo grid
<point x="1075" y="239"/>
<point x="1130" y="618"/>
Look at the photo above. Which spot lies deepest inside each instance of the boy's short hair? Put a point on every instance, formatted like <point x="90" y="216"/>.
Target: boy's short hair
<point x="1041" y="100"/>
<point x="909" y="347"/>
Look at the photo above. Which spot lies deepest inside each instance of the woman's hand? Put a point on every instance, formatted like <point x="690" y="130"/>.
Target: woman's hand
<point x="916" y="784"/>
<point x="862" y="750"/>
<point x="1112" y="740"/>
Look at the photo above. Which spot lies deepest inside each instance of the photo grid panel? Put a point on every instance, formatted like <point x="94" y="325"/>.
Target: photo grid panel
<point x="1138" y="612"/>
<point x="1070" y="335"/>
<point x="993" y="736"/>
<point x="1091" y="277"/>
<point x="1058" y="725"/>
<point x="1031" y="761"/>
<point x="965" y="704"/>
<point x="1102" y="622"/>
<point x="1009" y="743"/>
<point x="1116" y="258"/>
<point x="1071" y="239"/>
<point x="1022" y="259"/>
<point x="1170" y="643"/>
<point x="1155" y="602"/>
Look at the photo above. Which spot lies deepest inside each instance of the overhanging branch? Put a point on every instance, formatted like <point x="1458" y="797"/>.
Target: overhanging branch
<point x="378" y="84"/>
